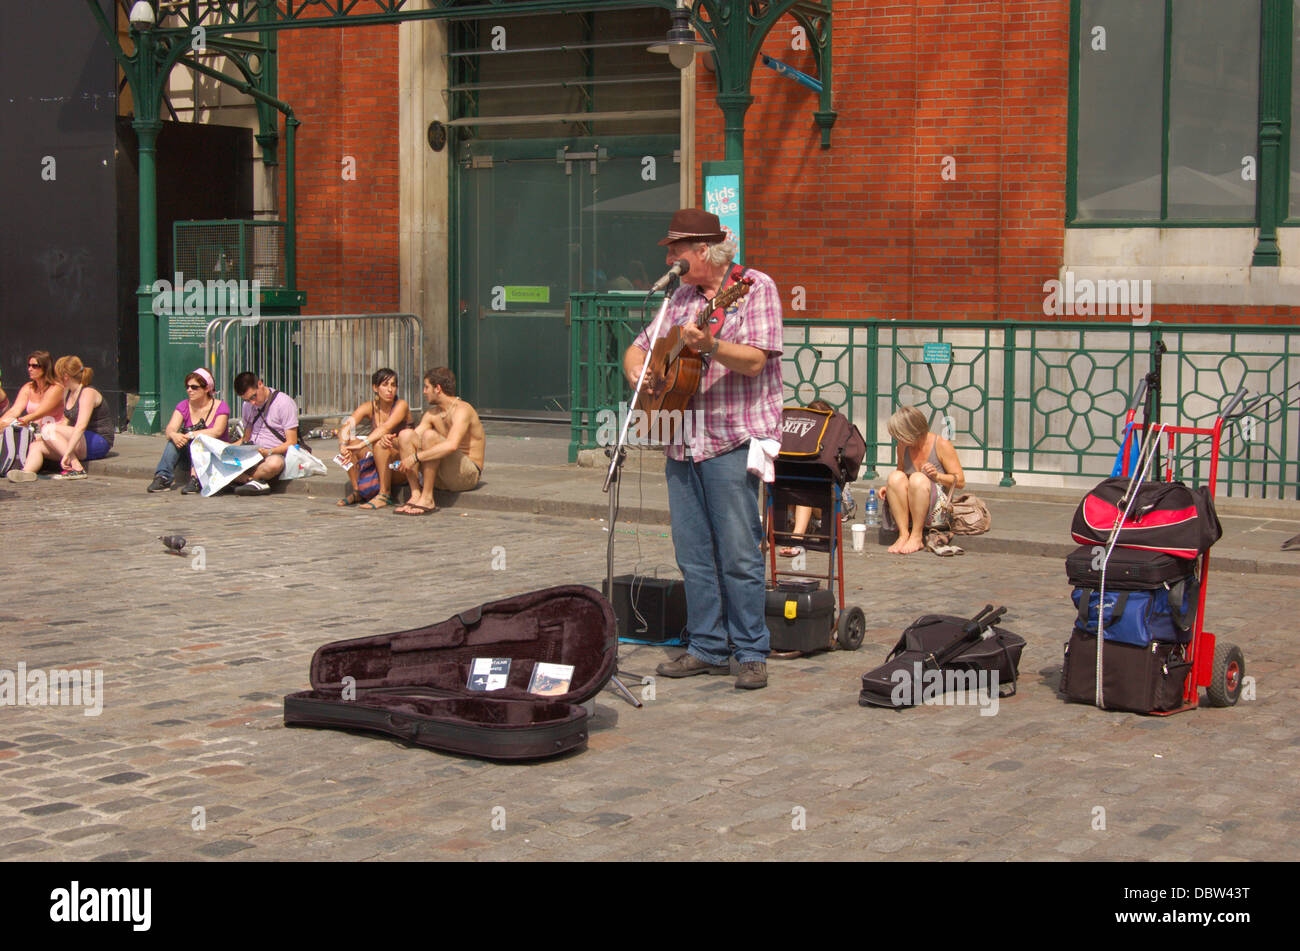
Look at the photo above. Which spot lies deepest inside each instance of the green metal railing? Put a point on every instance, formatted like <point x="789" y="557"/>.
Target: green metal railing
<point x="1017" y="398"/>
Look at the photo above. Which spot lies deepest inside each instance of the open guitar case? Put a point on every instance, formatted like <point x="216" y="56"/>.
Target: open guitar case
<point x="412" y="684"/>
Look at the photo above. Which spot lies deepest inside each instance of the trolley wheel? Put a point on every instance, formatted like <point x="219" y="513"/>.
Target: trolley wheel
<point x="1226" y="675"/>
<point x="850" y="629"/>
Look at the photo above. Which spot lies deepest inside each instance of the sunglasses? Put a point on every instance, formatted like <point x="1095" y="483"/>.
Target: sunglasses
<point x="193" y="386"/>
<point x="33" y="366"/>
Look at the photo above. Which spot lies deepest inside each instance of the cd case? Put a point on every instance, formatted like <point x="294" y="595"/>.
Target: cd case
<point x="550" y="680"/>
<point x="490" y="673"/>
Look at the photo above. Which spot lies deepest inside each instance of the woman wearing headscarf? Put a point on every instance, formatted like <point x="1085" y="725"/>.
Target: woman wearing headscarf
<point x="199" y="414"/>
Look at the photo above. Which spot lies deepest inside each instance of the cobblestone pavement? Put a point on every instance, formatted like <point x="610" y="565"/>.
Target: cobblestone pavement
<point x="195" y="663"/>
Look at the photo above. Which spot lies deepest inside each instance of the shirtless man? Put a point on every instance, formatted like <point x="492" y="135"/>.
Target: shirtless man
<point x="446" y="449"/>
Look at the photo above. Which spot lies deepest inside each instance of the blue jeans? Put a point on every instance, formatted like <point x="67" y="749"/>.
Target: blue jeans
<point x="717" y="535"/>
<point x="171" y="458"/>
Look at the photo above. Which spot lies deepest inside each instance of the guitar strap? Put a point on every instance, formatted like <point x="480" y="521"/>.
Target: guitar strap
<point x="718" y="317"/>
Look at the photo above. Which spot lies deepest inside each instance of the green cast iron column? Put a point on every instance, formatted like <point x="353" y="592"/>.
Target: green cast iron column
<point x="1274" y="98"/>
<point x="147" y="124"/>
<point x="734" y="105"/>
<point x="291" y="124"/>
<point x="1009" y="405"/>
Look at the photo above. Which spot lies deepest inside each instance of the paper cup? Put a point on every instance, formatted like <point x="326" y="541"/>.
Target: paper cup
<point x="859" y="536"/>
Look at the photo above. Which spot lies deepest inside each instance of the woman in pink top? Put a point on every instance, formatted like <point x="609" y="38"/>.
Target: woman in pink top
<point x="199" y="414"/>
<point x="40" y="401"/>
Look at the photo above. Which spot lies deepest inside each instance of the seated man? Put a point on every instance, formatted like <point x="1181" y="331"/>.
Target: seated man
<point x="445" y="451"/>
<point x="270" y="424"/>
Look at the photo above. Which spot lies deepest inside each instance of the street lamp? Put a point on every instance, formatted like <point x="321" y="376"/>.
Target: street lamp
<point x="681" y="44"/>
<point x="141" y="15"/>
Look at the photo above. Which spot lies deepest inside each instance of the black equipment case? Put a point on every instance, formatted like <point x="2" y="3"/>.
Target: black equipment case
<point x="800" y="616"/>
<point x="944" y="642"/>
<point x="412" y="684"/>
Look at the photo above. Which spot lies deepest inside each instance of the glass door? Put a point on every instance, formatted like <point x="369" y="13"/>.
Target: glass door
<point x="538" y="220"/>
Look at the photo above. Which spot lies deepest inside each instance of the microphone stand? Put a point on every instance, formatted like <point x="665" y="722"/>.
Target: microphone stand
<point x="617" y="456"/>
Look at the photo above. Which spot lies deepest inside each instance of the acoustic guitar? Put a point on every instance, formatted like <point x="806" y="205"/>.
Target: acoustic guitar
<point x="679" y="367"/>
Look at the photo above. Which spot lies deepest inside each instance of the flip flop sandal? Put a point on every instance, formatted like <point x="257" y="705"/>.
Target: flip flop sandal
<point x="404" y="510"/>
<point x="385" y="502"/>
<point x="352" y="498"/>
<point x="791" y="551"/>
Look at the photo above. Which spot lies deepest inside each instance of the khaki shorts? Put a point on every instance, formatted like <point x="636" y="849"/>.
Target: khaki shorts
<point x="456" y="473"/>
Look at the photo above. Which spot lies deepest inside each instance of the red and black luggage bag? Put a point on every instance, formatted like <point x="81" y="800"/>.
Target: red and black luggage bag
<point x="413" y="684"/>
<point x="1163" y="517"/>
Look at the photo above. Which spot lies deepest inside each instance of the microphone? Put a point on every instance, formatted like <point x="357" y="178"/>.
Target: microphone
<point x="680" y="267"/>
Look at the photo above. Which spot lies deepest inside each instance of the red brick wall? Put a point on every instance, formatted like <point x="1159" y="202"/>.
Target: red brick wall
<point x="869" y="227"/>
<point x="343" y="85"/>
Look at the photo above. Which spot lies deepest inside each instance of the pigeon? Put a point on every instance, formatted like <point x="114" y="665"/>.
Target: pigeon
<point x="175" y="544"/>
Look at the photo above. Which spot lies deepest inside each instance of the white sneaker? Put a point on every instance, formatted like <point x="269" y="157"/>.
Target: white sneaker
<point x="252" y="487"/>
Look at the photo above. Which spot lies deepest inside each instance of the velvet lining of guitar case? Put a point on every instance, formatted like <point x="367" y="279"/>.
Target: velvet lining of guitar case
<point x="412" y="684"/>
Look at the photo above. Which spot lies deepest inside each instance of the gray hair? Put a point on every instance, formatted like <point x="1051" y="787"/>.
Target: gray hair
<point x="723" y="252"/>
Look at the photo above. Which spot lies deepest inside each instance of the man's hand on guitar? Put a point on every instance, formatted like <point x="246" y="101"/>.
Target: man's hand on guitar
<point x="699" y="340"/>
<point x="654" y="382"/>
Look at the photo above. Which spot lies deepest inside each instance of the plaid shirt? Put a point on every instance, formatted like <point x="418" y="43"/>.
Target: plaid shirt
<point x="733" y="408"/>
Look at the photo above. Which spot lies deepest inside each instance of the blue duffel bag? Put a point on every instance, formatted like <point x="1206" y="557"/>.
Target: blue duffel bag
<point x="1167" y="613"/>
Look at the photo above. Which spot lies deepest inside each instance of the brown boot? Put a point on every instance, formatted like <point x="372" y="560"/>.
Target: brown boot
<point x="753" y="675"/>
<point x="688" y="665"/>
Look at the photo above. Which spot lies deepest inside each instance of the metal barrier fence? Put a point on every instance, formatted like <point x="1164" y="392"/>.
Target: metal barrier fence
<point x="1038" y="402"/>
<point x="323" y="361"/>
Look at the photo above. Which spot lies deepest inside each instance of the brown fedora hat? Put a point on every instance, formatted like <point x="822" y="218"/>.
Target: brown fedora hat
<point x="692" y="224"/>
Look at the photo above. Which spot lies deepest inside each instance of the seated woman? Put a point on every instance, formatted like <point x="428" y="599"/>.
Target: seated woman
<point x="199" y="414"/>
<point x="88" y="427"/>
<point x="387" y="416"/>
<point x="803" y="514"/>
<point x="40" y="401"/>
<point x="928" y="472"/>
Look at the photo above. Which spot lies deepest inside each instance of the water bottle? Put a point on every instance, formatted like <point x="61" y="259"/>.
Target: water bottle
<point x="872" y="510"/>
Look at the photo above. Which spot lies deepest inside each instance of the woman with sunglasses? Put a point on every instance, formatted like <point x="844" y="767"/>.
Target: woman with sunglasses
<point x="40" y="401"/>
<point x="199" y="414"/>
<point x="86" y="432"/>
<point x="387" y="416"/>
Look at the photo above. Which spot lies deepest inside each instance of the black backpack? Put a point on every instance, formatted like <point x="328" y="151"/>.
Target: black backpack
<point x="943" y="648"/>
<point x="824" y="437"/>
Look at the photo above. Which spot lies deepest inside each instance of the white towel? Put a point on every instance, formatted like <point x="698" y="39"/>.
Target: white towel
<point x="762" y="453"/>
